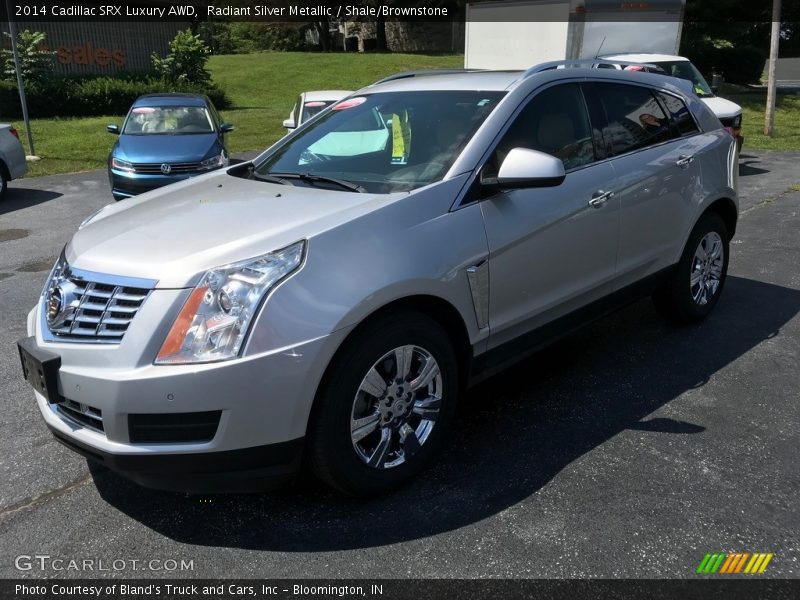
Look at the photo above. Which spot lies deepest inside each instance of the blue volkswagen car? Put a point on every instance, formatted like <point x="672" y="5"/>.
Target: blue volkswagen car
<point x="166" y="138"/>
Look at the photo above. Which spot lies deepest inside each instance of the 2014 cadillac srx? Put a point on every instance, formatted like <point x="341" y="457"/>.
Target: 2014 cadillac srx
<point x="326" y="303"/>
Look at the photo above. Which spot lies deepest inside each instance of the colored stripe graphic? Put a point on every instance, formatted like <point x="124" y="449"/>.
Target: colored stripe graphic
<point x="734" y="562"/>
<point x="726" y="566"/>
<point x="741" y="562"/>
<point x="766" y="562"/>
<point x="703" y="563"/>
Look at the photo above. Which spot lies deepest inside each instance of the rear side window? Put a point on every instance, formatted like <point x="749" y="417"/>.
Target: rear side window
<point x="681" y="117"/>
<point x="555" y="122"/>
<point x="634" y="119"/>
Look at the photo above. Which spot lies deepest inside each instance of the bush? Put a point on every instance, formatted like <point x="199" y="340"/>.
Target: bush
<point x="742" y="64"/>
<point x="737" y="64"/>
<point x="35" y="63"/>
<point x="93" y="96"/>
<point x="247" y="37"/>
<point x="186" y="61"/>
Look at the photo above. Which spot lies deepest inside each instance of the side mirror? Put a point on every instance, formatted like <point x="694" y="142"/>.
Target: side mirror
<point x="112" y="129"/>
<point x="226" y="128"/>
<point x="524" y="168"/>
<point x="715" y="89"/>
<point x="289" y="124"/>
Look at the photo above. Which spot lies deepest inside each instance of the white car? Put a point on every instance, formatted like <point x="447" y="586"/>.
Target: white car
<point x="729" y="113"/>
<point x="12" y="157"/>
<point x="309" y="104"/>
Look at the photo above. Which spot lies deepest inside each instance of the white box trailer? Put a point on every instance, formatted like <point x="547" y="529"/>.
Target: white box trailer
<point x="516" y="35"/>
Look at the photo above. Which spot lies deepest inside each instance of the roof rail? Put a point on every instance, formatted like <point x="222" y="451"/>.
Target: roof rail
<point x="423" y="73"/>
<point x="582" y="62"/>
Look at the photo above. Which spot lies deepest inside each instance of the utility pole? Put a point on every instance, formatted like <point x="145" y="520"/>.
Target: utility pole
<point x="769" y="118"/>
<point x="12" y="27"/>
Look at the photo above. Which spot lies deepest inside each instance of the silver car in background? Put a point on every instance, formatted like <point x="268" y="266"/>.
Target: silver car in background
<point x="12" y="157"/>
<point x="327" y="303"/>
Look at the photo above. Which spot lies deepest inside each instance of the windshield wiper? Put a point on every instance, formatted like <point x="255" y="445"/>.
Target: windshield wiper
<point x="312" y="178"/>
<point x="253" y="174"/>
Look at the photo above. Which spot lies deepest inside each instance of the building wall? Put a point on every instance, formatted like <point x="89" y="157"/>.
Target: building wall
<point x="104" y="47"/>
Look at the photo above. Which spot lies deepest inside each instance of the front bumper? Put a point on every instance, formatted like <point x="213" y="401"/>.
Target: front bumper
<point x="127" y="185"/>
<point x="262" y="404"/>
<point x="234" y="471"/>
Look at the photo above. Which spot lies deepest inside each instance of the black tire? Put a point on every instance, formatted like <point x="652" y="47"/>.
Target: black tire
<point x="331" y="452"/>
<point x="3" y="181"/>
<point x="674" y="300"/>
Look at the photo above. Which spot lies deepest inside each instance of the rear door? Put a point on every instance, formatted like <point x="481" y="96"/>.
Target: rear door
<point x="657" y="177"/>
<point x="552" y="250"/>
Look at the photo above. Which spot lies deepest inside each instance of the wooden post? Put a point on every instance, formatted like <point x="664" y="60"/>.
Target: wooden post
<point x="769" y="118"/>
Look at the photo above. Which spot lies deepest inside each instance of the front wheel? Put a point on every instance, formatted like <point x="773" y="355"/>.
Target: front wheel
<point x="694" y="288"/>
<point x="383" y="412"/>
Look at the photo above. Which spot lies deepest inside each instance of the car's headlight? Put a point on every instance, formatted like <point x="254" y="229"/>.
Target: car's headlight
<point x="737" y="122"/>
<point x="215" y="319"/>
<point x="122" y="165"/>
<point x="215" y="162"/>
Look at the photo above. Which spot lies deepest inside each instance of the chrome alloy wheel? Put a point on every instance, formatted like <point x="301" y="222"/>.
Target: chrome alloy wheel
<point x="396" y="407"/>
<point x="706" y="273"/>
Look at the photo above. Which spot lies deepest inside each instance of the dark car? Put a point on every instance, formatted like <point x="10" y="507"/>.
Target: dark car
<point x="166" y="138"/>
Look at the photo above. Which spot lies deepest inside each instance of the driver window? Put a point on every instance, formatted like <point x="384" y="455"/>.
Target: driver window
<point x="554" y="122"/>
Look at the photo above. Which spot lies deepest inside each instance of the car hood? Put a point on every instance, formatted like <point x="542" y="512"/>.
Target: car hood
<point x="164" y="148"/>
<point x="722" y="108"/>
<point x="174" y="234"/>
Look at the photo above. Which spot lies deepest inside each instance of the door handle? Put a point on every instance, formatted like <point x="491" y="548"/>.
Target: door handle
<point x="599" y="198"/>
<point x="684" y="160"/>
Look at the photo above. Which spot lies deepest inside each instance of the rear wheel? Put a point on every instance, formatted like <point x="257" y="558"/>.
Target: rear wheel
<point x="383" y="413"/>
<point x="694" y="288"/>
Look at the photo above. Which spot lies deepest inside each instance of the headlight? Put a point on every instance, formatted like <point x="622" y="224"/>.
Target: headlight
<point x="215" y="162"/>
<point x="737" y="122"/>
<point x="214" y="321"/>
<point x="122" y="165"/>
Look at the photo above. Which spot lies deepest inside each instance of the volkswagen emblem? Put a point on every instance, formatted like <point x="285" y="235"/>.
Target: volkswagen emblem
<point x="165" y="169"/>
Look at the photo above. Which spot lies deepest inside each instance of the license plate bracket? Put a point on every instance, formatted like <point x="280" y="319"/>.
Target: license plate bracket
<point x="40" y="369"/>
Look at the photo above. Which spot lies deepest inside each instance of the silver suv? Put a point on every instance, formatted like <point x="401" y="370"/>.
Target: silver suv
<point x="326" y="304"/>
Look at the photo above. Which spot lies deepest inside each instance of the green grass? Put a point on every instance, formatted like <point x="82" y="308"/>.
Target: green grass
<point x="262" y="87"/>
<point x="786" y="133"/>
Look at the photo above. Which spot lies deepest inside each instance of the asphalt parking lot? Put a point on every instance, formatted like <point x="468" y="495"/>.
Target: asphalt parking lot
<point x="629" y="449"/>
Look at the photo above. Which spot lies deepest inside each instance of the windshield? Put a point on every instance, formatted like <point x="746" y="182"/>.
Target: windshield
<point x="384" y="142"/>
<point x="312" y="108"/>
<point x="683" y="69"/>
<point x="167" y="120"/>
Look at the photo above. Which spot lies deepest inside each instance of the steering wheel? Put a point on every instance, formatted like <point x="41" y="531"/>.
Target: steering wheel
<point x="307" y="156"/>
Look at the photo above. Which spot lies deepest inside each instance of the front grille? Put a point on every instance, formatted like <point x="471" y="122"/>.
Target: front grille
<point x="174" y="168"/>
<point x="103" y="310"/>
<point x="173" y="427"/>
<point x="82" y="414"/>
<point x="90" y="307"/>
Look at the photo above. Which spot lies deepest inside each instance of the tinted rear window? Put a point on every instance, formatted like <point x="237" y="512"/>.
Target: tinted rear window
<point x="681" y="117"/>
<point x="634" y="119"/>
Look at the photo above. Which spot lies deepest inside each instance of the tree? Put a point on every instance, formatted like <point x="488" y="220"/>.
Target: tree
<point x="36" y="63"/>
<point x="323" y="29"/>
<point x="186" y="61"/>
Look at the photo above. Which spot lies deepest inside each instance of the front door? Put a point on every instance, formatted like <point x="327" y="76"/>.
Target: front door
<point x="553" y="249"/>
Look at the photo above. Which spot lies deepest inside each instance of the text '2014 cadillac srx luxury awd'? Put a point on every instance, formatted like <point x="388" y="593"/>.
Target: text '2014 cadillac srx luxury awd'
<point x="325" y="304"/>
